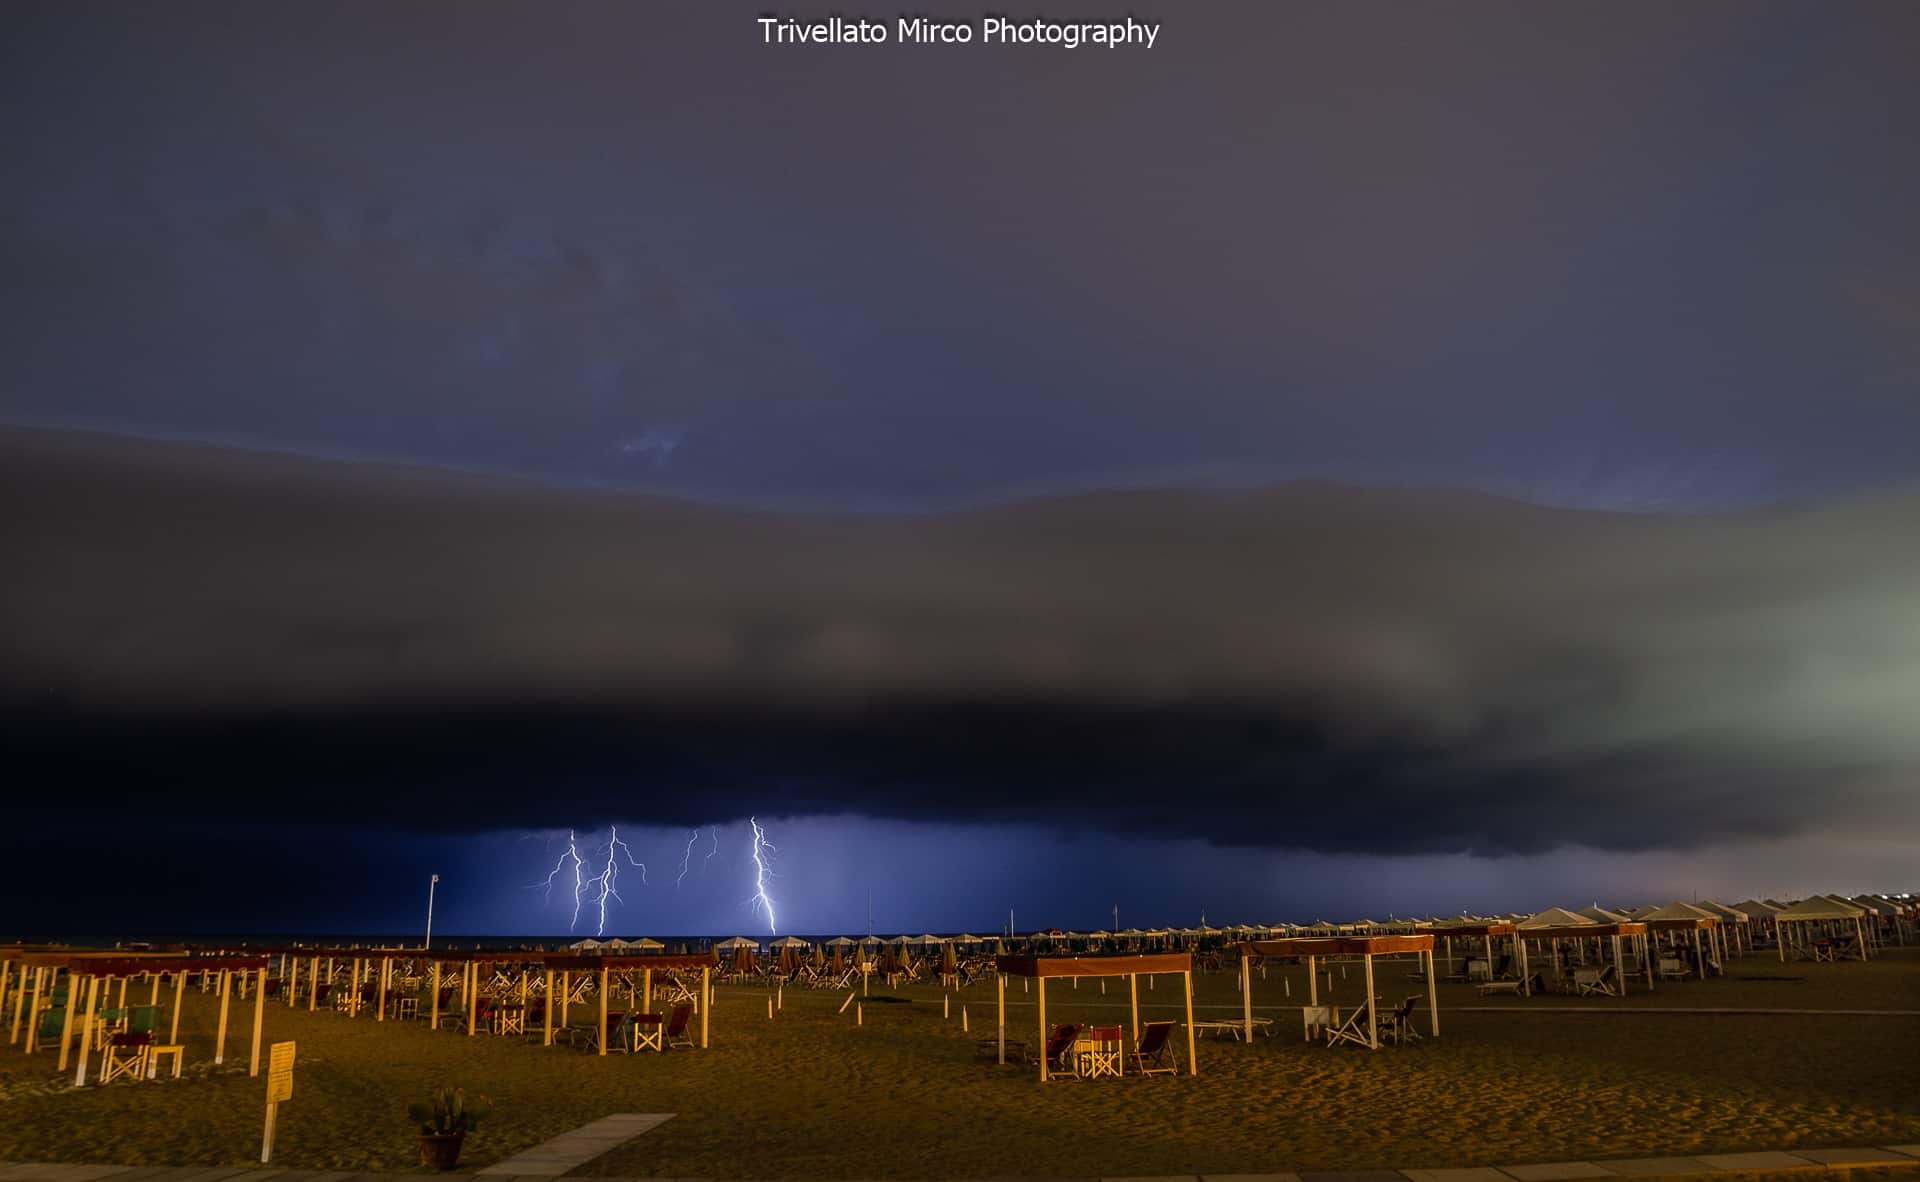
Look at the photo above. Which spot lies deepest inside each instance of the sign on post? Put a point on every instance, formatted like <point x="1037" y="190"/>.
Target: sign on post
<point x="279" y="1087"/>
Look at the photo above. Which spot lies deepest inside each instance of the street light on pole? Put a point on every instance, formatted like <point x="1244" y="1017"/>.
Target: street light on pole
<point x="431" y="883"/>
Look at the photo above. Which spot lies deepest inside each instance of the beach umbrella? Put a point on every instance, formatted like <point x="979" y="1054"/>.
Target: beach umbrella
<point x="743" y="958"/>
<point x="948" y="962"/>
<point x="789" y="960"/>
<point x="736" y="943"/>
<point x="647" y="944"/>
<point x="789" y="942"/>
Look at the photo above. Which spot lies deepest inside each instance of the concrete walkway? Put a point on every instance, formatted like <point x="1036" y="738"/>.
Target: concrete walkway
<point x="1810" y="1161"/>
<point x="550" y="1159"/>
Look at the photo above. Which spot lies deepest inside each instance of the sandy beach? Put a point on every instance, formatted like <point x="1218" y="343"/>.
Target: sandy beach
<point x="906" y="1095"/>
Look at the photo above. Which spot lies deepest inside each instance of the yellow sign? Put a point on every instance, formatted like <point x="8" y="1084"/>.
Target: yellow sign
<point x="280" y="1073"/>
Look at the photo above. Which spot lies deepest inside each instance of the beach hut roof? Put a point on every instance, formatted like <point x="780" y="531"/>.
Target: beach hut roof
<point x="1678" y="910"/>
<point x="790" y="942"/>
<point x="1723" y="911"/>
<point x="1554" y="917"/>
<point x="1755" y="907"/>
<point x="930" y="939"/>
<point x="1599" y="914"/>
<point x="738" y="942"/>
<point x="647" y="942"/>
<point x="841" y="942"/>
<point x="1818" y="908"/>
<point x="586" y="945"/>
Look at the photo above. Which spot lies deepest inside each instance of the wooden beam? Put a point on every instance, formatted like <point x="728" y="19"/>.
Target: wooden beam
<point x="1043" y="1030"/>
<point x="1433" y="997"/>
<point x="1193" y="1055"/>
<point x="226" y="995"/>
<point x="259" y="1011"/>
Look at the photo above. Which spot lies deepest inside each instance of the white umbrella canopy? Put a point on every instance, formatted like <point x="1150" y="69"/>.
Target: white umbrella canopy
<point x="647" y="943"/>
<point x="840" y="942"/>
<point x="789" y="942"/>
<point x="968" y="938"/>
<point x="737" y="942"/>
<point x="930" y="940"/>
<point x="587" y="945"/>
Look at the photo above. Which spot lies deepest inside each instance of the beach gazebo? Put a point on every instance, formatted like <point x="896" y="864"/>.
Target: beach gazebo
<point x="90" y="977"/>
<point x="1315" y="948"/>
<point x="1043" y="968"/>
<point x="1791" y="923"/>
<point x="1685" y="918"/>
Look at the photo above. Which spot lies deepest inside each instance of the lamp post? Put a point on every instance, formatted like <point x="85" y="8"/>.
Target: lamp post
<point x="431" y="883"/>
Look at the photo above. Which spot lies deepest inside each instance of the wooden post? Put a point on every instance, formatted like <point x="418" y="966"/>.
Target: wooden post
<point x="1619" y="966"/>
<point x="39" y="974"/>
<point x="226" y="995"/>
<point x="546" y="1039"/>
<point x="153" y="998"/>
<point x="433" y="1001"/>
<point x="1699" y="960"/>
<point x="74" y="1003"/>
<point x="1373" y="1011"/>
<point x="1000" y="999"/>
<point x="1246" y="996"/>
<point x="313" y="984"/>
<point x="179" y="989"/>
<point x="646" y="991"/>
<point x="1042" y="1044"/>
<point x="706" y="1002"/>
<point x="259" y="1011"/>
<point x="1526" y="974"/>
<point x="473" y="998"/>
<point x="1313" y="984"/>
<point x="566" y="996"/>
<point x="1133" y="1004"/>
<point x="1193" y="1055"/>
<point x="1433" y="997"/>
<point x="86" y="1026"/>
<point x="603" y="1010"/>
<point x="290" y="978"/>
<point x="386" y="966"/>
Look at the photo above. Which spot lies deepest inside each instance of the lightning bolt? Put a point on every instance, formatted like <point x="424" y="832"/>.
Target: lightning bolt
<point x="610" y="876"/>
<point x="579" y="884"/>
<point x="684" y="859"/>
<point x="761" y="872"/>
<point x="711" y="852"/>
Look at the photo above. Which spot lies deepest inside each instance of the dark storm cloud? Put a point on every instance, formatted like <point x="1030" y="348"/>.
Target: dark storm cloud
<point x="1311" y="665"/>
<point x="1612" y="257"/>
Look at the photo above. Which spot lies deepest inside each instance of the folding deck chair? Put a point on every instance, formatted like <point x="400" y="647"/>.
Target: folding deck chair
<point x="678" y="1032"/>
<point x="125" y="1054"/>
<point x="1153" y="1054"/>
<point x="1601" y="984"/>
<point x="1353" y="1030"/>
<point x="1400" y="1027"/>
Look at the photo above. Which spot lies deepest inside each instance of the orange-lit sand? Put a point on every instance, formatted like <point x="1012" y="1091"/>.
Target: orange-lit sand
<point x="811" y="1095"/>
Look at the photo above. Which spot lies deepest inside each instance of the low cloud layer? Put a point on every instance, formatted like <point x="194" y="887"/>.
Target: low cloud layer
<point x="1313" y="666"/>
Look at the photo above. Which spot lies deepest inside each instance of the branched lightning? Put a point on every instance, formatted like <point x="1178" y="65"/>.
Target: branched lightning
<point x="606" y="883"/>
<point x="762" y="870"/>
<point x="579" y="884"/>
<point x="711" y="852"/>
<point x="684" y="859"/>
<point x="610" y="875"/>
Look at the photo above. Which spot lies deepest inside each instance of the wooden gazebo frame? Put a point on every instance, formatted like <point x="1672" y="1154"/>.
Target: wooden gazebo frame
<point x="1616" y="932"/>
<point x="1040" y="968"/>
<point x="1314" y="948"/>
<point x="88" y="972"/>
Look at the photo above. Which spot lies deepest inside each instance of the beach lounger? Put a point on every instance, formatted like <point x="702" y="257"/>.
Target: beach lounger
<point x="678" y="1033"/>
<point x="1353" y="1030"/>
<point x="1153" y="1054"/>
<point x="1671" y="969"/>
<point x="1059" y="1047"/>
<point x="1603" y="983"/>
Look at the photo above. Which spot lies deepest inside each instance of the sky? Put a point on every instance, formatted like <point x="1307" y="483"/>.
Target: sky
<point x="1344" y="459"/>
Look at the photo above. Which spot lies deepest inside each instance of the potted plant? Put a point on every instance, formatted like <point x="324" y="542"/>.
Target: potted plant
<point x="444" y="1124"/>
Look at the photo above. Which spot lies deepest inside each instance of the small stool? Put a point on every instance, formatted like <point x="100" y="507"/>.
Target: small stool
<point x="158" y="1049"/>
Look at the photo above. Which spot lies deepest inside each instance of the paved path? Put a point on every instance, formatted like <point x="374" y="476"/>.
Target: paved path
<point x="1811" y="1161"/>
<point x="550" y="1159"/>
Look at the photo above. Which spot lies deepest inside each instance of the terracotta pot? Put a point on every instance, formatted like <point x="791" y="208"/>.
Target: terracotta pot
<point x="440" y="1150"/>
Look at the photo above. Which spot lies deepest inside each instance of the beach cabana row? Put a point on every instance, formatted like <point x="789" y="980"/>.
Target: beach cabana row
<point x="1044" y="968"/>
